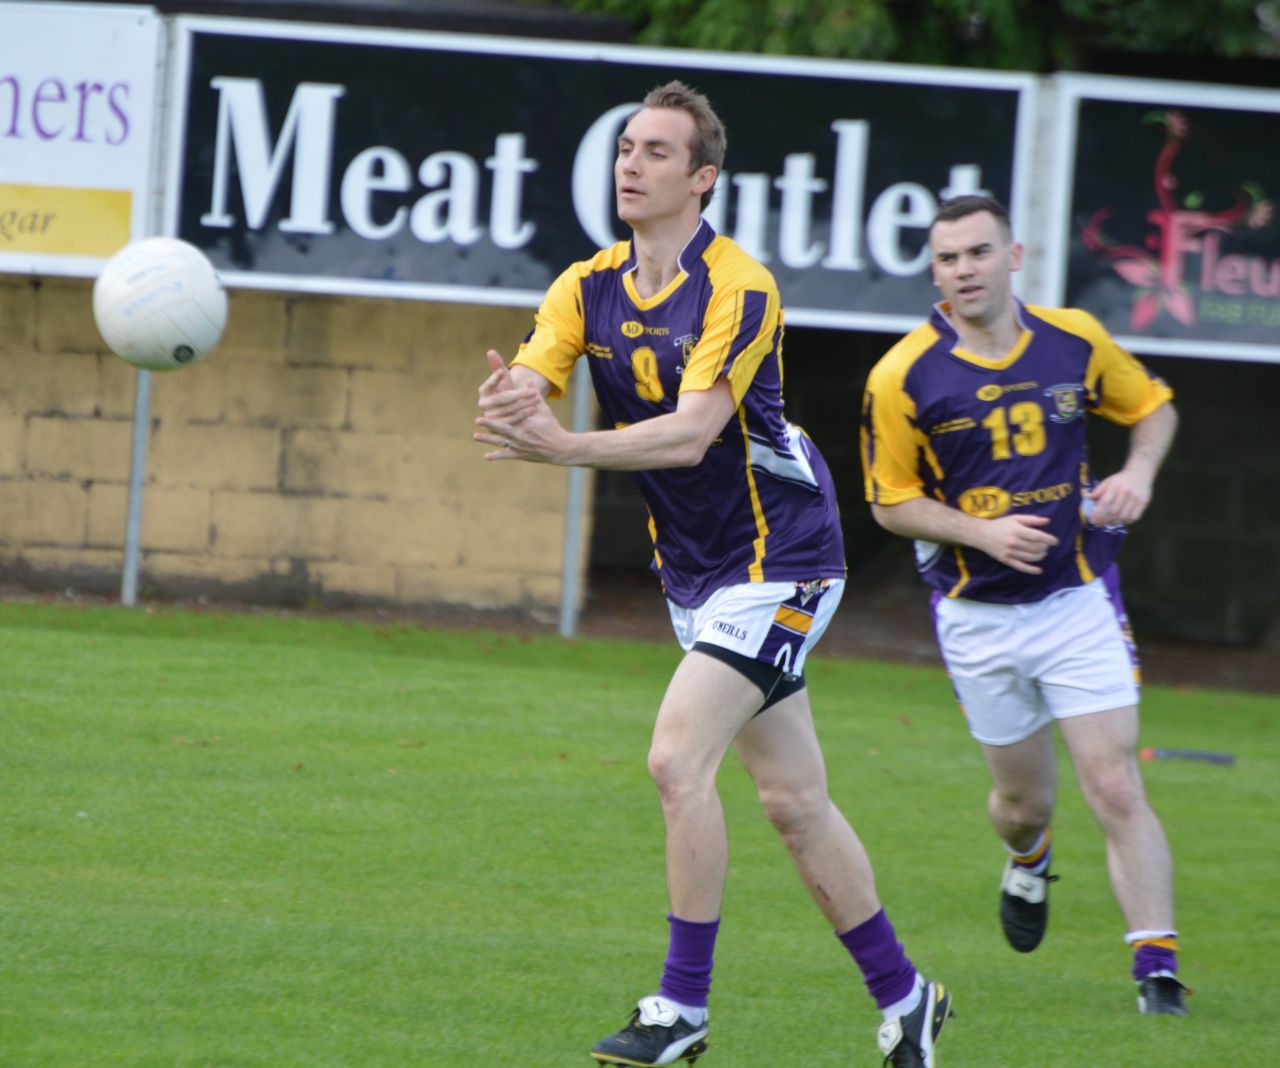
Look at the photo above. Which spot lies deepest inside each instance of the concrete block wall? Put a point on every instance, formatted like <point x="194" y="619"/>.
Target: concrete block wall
<point x="322" y="454"/>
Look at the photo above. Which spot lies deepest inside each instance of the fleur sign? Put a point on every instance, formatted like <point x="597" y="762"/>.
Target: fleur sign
<point x="1182" y="226"/>
<point x="1176" y="242"/>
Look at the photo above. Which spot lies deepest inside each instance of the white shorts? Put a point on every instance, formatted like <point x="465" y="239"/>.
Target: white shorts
<point x="1016" y="667"/>
<point x="774" y="622"/>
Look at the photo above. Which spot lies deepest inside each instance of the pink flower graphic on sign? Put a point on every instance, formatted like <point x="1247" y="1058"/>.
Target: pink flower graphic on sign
<point x="1156" y="272"/>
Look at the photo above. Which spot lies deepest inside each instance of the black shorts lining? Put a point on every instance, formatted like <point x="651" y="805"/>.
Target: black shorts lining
<point x="776" y="684"/>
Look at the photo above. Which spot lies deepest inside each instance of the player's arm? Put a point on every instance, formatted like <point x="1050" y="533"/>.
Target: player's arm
<point x="1123" y="391"/>
<point x="530" y="431"/>
<point x="1017" y="541"/>
<point x="739" y="329"/>
<point x="892" y="449"/>
<point x="1124" y="496"/>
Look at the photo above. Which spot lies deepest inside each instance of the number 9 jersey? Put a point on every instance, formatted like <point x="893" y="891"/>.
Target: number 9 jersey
<point x="760" y="506"/>
<point x="998" y="437"/>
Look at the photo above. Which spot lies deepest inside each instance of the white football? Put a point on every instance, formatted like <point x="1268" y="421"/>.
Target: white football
<point x="159" y="304"/>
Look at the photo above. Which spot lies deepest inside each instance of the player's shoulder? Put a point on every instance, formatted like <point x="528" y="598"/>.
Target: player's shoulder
<point x="566" y="291"/>
<point x="606" y="259"/>
<point x="729" y="263"/>
<point x="894" y="365"/>
<point x="1071" y="320"/>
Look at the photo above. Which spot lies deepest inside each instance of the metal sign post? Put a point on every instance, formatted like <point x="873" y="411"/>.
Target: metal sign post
<point x="137" y="475"/>
<point x="573" y="510"/>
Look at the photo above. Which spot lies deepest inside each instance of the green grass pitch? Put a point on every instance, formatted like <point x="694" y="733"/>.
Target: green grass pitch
<point x="232" y="841"/>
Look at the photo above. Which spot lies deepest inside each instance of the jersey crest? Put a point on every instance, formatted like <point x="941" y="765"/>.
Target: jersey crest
<point x="1066" y="401"/>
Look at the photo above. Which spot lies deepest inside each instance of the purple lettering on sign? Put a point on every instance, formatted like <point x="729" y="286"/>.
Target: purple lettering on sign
<point x="100" y="114"/>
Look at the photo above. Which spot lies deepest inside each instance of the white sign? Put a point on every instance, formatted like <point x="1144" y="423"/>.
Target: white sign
<point x="78" y="94"/>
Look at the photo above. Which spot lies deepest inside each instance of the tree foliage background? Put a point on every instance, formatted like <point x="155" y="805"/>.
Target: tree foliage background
<point x="1028" y="35"/>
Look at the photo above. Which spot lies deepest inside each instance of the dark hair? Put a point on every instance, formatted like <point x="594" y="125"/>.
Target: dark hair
<point x="708" y="143"/>
<point x="971" y="204"/>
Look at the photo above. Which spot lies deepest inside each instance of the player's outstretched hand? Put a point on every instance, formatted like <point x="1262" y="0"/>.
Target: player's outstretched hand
<point x="1018" y="541"/>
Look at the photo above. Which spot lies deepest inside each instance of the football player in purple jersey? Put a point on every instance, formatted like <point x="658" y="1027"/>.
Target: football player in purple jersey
<point x="682" y="333"/>
<point x="973" y="444"/>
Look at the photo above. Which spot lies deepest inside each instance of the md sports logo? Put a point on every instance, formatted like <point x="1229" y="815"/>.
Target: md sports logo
<point x="990" y="502"/>
<point x="984" y="502"/>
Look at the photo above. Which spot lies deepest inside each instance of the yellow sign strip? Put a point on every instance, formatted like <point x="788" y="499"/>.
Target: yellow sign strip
<point x="61" y="221"/>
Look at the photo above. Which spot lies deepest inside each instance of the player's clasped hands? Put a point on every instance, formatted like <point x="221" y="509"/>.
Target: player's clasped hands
<point x="513" y="417"/>
<point x="500" y="397"/>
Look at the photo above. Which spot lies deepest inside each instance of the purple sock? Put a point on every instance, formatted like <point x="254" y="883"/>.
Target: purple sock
<point x="686" y="975"/>
<point x="1151" y="957"/>
<point x="889" y="975"/>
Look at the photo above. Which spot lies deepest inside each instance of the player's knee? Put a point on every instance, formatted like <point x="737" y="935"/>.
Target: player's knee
<point x="1115" y="793"/>
<point x="1024" y="812"/>
<point x="792" y="810"/>
<point x="674" y="774"/>
<point x="662" y="768"/>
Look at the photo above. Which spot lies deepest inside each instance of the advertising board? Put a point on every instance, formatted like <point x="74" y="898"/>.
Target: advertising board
<point x="1167" y="226"/>
<point x="475" y="169"/>
<point x="78" y="100"/>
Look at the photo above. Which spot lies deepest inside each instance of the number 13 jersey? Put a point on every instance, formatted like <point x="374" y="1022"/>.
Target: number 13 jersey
<point x="994" y="437"/>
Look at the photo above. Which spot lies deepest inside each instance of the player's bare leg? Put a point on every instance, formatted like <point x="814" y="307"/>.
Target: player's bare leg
<point x="780" y="750"/>
<point x="706" y="705"/>
<point x="1103" y="747"/>
<point x="1024" y="786"/>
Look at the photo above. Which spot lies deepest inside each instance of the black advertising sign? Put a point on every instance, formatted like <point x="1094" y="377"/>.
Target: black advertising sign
<point x="476" y="169"/>
<point x="1173" y="238"/>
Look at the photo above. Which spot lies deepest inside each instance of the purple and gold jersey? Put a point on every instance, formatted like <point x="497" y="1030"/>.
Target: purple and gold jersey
<point x="992" y="437"/>
<point x="761" y="506"/>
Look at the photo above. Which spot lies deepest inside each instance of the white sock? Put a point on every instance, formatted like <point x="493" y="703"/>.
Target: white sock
<point x="908" y="1004"/>
<point x="695" y="1014"/>
<point x="1140" y="936"/>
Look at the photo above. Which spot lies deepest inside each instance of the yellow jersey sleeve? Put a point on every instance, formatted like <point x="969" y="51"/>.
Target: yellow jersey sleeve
<point x="892" y="445"/>
<point x="559" y="332"/>
<point x="742" y="324"/>
<point x="1118" y="386"/>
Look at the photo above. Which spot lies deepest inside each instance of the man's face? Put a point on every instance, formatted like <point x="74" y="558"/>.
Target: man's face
<point x="972" y="261"/>
<point x="651" y="173"/>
